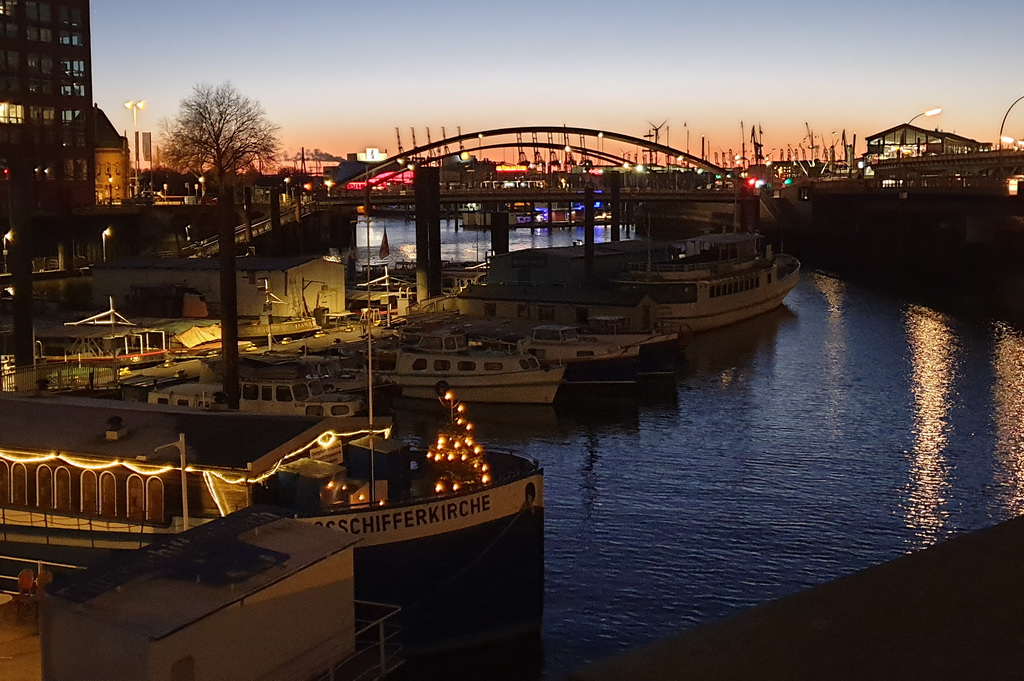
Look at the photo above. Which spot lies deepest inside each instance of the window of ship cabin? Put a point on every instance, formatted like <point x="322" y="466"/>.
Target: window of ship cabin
<point x="584" y="353"/>
<point x="466" y="365"/>
<point x="442" y="365"/>
<point x="266" y="393"/>
<point x="161" y="400"/>
<point x="419" y="364"/>
<point x="182" y="402"/>
<point x="250" y="392"/>
<point x="492" y="366"/>
<point x="340" y="410"/>
<point x="524" y="363"/>
<point x="19" y="485"/>
<point x="316" y="388"/>
<point x="449" y="342"/>
<point x="582" y="315"/>
<point x="301" y="391"/>
<point x="490" y="309"/>
<point x="136" y="490"/>
<point x="546" y="313"/>
<point x="62" y="489"/>
<point x="155" y="500"/>
<point x="5" y="483"/>
<point x="314" y="410"/>
<point x="283" y="393"/>
<point x="523" y="311"/>
<point x="90" y="496"/>
<point x="769" y="279"/>
<point x="108" y="495"/>
<point x="44" y="486"/>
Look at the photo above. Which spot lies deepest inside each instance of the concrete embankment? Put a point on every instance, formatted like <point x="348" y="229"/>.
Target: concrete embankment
<point x="954" y="611"/>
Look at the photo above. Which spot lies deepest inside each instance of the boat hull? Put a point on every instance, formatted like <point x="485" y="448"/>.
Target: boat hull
<point x="528" y="387"/>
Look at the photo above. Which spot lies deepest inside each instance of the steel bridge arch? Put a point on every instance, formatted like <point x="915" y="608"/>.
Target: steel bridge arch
<point x="425" y="153"/>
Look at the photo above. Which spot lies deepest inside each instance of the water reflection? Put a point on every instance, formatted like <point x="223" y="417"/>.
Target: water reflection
<point x="932" y="355"/>
<point x="835" y="349"/>
<point x="1008" y="396"/>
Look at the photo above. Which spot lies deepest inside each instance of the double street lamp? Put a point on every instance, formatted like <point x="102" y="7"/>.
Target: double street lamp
<point x="134" y="107"/>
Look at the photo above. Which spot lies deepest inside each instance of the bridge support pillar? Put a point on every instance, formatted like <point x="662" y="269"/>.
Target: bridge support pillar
<point x="588" y="235"/>
<point x="615" y="182"/>
<point x="427" y="187"/>
<point x="499" y="232"/>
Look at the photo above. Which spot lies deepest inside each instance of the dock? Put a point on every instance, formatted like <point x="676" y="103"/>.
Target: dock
<point x="953" y="611"/>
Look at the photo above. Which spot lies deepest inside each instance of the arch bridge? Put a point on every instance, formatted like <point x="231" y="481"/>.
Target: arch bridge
<point x="586" y="144"/>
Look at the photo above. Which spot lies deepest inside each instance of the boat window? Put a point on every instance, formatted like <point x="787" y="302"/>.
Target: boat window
<point x="44" y="487"/>
<point x="430" y="343"/>
<point x="524" y="363"/>
<point x="584" y="353"/>
<point x="314" y="410"/>
<point x="316" y="388"/>
<point x="250" y="391"/>
<point x="419" y="364"/>
<point x="301" y="391"/>
<point x="108" y="495"/>
<point x="492" y="366"/>
<point x="442" y="365"/>
<point x="19" y="484"/>
<point x="466" y="365"/>
<point x="5" y="483"/>
<point x="161" y="400"/>
<point x="769" y="280"/>
<point x="155" y="500"/>
<point x="62" y="489"/>
<point x="283" y="393"/>
<point x="136" y="498"/>
<point x="546" y="313"/>
<point x="90" y="497"/>
<point x="182" y="402"/>
<point x="266" y="393"/>
<point x="340" y="410"/>
<point x="449" y="342"/>
<point x="533" y="363"/>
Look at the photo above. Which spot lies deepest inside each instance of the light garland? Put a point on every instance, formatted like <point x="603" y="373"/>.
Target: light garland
<point x="456" y="452"/>
<point x="325" y="440"/>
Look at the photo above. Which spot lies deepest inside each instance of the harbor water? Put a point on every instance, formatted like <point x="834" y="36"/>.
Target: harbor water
<point x="843" y="430"/>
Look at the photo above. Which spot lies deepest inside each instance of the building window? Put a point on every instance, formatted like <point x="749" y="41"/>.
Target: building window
<point x="12" y="113"/>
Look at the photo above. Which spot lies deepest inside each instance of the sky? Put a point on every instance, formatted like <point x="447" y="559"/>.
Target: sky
<point x="340" y="76"/>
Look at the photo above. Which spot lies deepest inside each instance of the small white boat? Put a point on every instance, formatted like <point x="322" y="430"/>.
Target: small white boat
<point x="588" y="359"/>
<point x="285" y="397"/>
<point x="476" y="374"/>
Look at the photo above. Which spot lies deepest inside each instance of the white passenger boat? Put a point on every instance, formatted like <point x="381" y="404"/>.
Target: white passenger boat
<point x="716" y="280"/>
<point x="476" y="374"/>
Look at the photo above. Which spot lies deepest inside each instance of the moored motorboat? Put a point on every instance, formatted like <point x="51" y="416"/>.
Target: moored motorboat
<point x="588" y="360"/>
<point x="477" y="374"/>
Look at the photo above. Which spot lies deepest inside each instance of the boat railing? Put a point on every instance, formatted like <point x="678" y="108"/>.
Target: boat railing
<point x="377" y="652"/>
<point x="12" y="566"/>
<point x="71" y="375"/>
<point x="683" y="266"/>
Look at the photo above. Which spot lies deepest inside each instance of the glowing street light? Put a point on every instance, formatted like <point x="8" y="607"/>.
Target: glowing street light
<point x="134" y="107"/>
<point x="9" y="236"/>
<point x="928" y="113"/>
<point x="107" y="233"/>
<point x="1003" y="124"/>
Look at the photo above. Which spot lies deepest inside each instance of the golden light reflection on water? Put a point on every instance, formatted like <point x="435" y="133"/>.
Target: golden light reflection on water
<point x="932" y="349"/>
<point x="1008" y="396"/>
<point x="835" y="345"/>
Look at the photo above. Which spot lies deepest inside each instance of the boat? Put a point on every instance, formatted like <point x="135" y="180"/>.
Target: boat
<point x="453" y="529"/>
<point x="476" y="373"/>
<point x="588" y="360"/>
<point x="715" y="280"/>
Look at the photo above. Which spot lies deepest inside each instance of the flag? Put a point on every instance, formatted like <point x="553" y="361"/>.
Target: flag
<point x="385" y="251"/>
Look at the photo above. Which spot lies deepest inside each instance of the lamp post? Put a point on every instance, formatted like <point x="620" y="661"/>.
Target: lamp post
<point x="134" y="107"/>
<point x="110" y="190"/>
<point x="106" y="234"/>
<point x="9" y="236"/>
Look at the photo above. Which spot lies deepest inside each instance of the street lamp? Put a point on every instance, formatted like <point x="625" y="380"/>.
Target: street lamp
<point x="9" y="236"/>
<point x="110" y="190"/>
<point x="202" y="187"/>
<point x="134" y="107"/>
<point x="329" y="184"/>
<point x="107" y="233"/>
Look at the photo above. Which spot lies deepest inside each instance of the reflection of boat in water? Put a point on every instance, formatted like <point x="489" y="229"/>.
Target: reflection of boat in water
<point x="438" y="533"/>
<point x="718" y="349"/>
<point x="476" y="374"/>
<point x="718" y="279"/>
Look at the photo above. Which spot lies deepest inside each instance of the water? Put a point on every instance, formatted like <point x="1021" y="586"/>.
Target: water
<point x="841" y="431"/>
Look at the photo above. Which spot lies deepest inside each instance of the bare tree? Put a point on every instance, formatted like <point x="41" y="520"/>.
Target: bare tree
<point x="221" y="132"/>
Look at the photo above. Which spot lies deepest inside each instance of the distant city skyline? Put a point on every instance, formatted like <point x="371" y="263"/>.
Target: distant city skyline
<point x="339" y="77"/>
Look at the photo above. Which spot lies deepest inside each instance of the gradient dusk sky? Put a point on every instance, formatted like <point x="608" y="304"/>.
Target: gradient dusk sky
<point x="340" y="76"/>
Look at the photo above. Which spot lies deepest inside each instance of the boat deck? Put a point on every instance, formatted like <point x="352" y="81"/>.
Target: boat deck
<point x="20" y="657"/>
